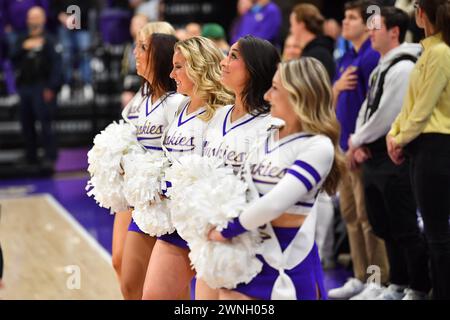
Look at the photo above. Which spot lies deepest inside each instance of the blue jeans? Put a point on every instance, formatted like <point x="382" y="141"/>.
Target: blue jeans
<point x="76" y="44"/>
<point x="32" y="108"/>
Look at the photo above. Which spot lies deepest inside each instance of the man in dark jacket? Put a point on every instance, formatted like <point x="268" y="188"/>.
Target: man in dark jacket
<point x="307" y="28"/>
<point x="38" y="79"/>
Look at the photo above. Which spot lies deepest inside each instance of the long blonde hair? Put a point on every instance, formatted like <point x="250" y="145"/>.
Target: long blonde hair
<point x="157" y="27"/>
<point x="203" y="68"/>
<point x="310" y="93"/>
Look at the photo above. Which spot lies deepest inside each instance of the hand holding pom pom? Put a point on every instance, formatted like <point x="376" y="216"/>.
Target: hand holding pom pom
<point x="215" y="235"/>
<point x="205" y="195"/>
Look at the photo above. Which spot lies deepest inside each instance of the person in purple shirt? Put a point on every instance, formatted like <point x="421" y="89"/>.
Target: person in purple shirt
<point x="263" y="20"/>
<point x="350" y="87"/>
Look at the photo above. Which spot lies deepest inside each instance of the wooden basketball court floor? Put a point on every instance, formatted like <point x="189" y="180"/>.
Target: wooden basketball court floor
<point x="49" y="255"/>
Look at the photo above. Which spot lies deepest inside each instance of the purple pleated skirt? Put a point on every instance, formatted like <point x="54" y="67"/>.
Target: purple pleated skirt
<point x="307" y="276"/>
<point x="134" y="227"/>
<point x="175" y="239"/>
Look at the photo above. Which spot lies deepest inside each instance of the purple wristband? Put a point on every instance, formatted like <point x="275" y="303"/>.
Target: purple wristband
<point x="233" y="229"/>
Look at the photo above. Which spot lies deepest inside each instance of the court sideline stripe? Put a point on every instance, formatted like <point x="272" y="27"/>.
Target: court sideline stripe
<point x="78" y="227"/>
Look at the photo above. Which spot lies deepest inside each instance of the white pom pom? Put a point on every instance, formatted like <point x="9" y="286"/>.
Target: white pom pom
<point x="153" y="219"/>
<point x="105" y="168"/>
<point x="142" y="178"/>
<point x="225" y="265"/>
<point x="142" y="189"/>
<point x="204" y="195"/>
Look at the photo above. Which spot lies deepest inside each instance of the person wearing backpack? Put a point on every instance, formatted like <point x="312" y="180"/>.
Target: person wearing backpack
<point x="389" y="199"/>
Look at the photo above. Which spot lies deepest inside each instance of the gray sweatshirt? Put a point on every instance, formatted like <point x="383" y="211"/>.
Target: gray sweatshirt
<point x="394" y="90"/>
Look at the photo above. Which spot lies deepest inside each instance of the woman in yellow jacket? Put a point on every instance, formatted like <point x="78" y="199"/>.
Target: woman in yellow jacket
<point x="422" y="130"/>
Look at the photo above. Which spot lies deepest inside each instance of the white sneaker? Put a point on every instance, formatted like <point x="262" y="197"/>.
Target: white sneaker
<point x="411" y="294"/>
<point x="65" y="93"/>
<point x="88" y="92"/>
<point x="370" y="292"/>
<point x="393" y="292"/>
<point x="351" y="288"/>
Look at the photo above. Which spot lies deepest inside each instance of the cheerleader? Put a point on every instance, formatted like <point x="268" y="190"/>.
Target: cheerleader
<point x="289" y="170"/>
<point x="247" y="71"/>
<point x="196" y="71"/>
<point x="151" y="110"/>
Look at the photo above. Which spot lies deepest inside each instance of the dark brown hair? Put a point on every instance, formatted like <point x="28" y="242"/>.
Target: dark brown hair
<point x="159" y="57"/>
<point x="261" y="59"/>
<point x="438" y="12"/>
<point x="361" y="6"/>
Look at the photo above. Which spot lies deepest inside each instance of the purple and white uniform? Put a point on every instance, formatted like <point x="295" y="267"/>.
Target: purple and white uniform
<point x="231" y="141"/>
<point x="288" y="174"/>
<point x="184" y="136"/>
<point x="151" y="119"/>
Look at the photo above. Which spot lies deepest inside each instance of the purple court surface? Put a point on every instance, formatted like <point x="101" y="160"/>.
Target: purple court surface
<point x="68" y="188"/>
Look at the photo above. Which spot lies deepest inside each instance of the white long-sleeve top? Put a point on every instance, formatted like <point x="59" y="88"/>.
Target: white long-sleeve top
<point x="288" y="173"/>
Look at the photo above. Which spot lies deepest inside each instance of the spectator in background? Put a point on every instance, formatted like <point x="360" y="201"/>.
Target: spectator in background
<point x="263" y="20"/>
<point x="15" y="17"/>
<point x="76" y="42"/>
<point x="307" y="28"/>
<point x="181" y="34"/>
<point x="131" y="81"/>
<point x="38" y="80"/>
<point x="193" y="29"/>
<point x="390" y="203"/>
<point x="149" y="8"/>
<point x="292" y="49"/>
<point x="422" y="130"/>
<point x="333" y="29"/>
<point x="350" y="88"/>
<point x="216" y="33"/>
<point x="242" y="7"/>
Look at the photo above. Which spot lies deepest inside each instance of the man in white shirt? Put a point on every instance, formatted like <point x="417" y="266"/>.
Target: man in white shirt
<point x="389" y="198"/>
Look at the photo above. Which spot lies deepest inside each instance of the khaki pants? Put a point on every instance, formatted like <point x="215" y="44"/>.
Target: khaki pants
<point x="365" y="248"/>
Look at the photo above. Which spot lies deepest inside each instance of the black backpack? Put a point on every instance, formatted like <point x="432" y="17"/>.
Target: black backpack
<point x="373" y="103"/>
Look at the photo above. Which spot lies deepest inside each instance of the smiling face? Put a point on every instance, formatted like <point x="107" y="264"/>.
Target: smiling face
<point x="278" y="97"/>
<point x="179" y="73"/>
<point x="234" y="71"/>
<point x="141" y="53"/>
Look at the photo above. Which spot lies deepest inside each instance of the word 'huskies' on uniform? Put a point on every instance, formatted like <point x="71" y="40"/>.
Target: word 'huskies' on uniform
<point x="152" y="119"/>
<point x="231" y="141"/>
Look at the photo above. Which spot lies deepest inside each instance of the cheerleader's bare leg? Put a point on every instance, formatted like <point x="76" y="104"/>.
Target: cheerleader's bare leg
<point x="121" y="222"/>
<point x="205" y="292"/>
<point x="169" y="273"/>
<point x="136" y="256"/>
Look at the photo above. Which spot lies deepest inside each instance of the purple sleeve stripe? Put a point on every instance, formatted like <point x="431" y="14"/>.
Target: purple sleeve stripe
<point x="308" y="168"/>
<point x="300" y="177"/>
<point x="233" y="229"/>
<point x="153" y="148"/>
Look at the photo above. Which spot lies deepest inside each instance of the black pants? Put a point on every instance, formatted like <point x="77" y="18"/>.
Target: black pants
<point x="430" y="177"/>
<point x="32" y="108"/>
<point x="391" y="210"/>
